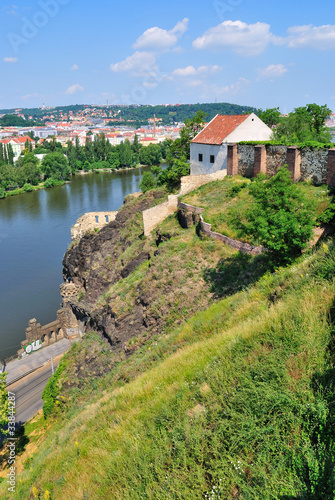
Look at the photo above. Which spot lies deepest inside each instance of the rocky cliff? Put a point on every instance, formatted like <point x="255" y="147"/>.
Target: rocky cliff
<point x="129" y="287"/>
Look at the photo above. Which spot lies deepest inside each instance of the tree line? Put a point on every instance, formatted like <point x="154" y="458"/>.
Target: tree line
<point x="59" y="162"/>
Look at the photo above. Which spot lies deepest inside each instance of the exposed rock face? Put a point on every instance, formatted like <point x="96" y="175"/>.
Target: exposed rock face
<point x="187" y="219"/>
<point x="97" y="262"/>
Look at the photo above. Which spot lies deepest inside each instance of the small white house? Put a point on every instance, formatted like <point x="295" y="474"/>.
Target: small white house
<point x="209" y="148"/>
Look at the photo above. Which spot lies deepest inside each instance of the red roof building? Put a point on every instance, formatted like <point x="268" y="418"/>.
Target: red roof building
<point x="208" y="152"/>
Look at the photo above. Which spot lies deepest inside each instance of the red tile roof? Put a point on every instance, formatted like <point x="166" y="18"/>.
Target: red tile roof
<point x="219" y="128"/>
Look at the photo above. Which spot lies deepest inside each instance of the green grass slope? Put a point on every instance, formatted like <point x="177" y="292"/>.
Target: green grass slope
<point x="243" y="409"/>
<point x="235" y="403"/>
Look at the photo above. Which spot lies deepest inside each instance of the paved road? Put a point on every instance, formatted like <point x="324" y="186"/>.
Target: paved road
<point x="21" y="367"/>
<point x="28" y="392"/>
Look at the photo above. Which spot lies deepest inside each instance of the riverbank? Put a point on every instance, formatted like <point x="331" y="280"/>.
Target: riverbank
<point x="35" y="231"/>
<point x="57" y="183"/>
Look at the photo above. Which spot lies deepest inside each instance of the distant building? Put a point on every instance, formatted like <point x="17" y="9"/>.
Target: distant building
<point x="17" y="143"/>
<point x="208" y="152"/>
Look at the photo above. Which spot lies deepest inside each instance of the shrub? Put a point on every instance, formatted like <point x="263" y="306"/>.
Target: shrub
<point x="49" y="183"/>
<point x="52" y="391"/>
<point x="28" y="187"/>
<point x="282" y="217"/>
<point x="147" y="182"/>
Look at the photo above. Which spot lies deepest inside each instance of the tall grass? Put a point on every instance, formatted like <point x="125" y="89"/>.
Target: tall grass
<point x="239" y="411"/>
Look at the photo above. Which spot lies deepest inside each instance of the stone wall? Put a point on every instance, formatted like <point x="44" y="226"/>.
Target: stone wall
<point x="191" y="182"/>
<point x="91" y="221"/>
<point x="304" y="164"/>
<point x="275" y="158"/>
<point x="155" y="215"/>
<point x="207" y="229"/>
<point x="314" y="165"/>
<point x="246" y="158"/>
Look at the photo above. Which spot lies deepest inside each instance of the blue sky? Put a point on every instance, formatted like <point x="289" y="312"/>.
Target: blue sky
<point x="257" y="53"/>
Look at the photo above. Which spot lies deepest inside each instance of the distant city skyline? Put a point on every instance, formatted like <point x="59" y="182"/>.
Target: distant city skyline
<point x="62" y="52"/>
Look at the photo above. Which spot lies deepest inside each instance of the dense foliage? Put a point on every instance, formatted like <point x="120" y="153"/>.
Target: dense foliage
<point x="17" y="121"/>
<point x="136" y="115"/>
<point x="282" y="216"/>
<point x="60" y="162"/>
<point x="52" y="391"/>
<point x="306" y="123"/>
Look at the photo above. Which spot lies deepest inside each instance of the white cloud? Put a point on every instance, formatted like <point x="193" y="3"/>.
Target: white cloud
<point x="192" y="71"/>
<point x="139" y="63"/>
<point x="75" y="67"/>
<point x="244" y="39"/>
<point x="156" y="38"/>
<point x="10" y="59"/>
<point x="150" y="85"/>
<point x="312" y="37"/>
<point x="29" y="96"/>
<point x="74" y="88"/>
<point x="216" y="91"/>
<point x="272" y="71"/>
<point x="13" y="11"/>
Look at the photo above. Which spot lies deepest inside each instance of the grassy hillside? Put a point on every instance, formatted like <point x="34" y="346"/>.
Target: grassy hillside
<point x="236" y="402"/>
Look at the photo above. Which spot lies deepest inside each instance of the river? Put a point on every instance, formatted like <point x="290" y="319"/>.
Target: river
<point x="34" y="235"/>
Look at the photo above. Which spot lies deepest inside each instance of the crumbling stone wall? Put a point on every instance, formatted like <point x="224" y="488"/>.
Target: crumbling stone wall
<point x="91" y="221"/>
<point x="196" y="217"/>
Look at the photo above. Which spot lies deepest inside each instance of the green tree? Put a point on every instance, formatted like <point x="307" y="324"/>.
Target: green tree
<point x="125" y="154"/>
<point x="282" y="216"/>
<point x="136" y="145"/>
<point x="3" y="403"/>
<point x="180" y="148"/>
<point x="10" y="154"/>
<point x="306" y="123"/>
<point x="173" y="173"/>
<point x="55" y="165"/>
<point x="270" y="116"/>
<point x="147" y="182"/>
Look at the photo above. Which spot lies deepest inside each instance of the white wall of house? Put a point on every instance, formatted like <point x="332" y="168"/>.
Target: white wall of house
<point x="207" y="150"/>
<point x="251" y="129"/>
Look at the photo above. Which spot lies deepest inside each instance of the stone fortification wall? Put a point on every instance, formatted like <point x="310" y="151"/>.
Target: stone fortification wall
<point x="90" y="222"/>
<point x="191" y="182"/>
<point x="314" y="165"/>
<point x="206" y="228"/>
<point x="246" y="158"/>
<point x="304" y="164"/>
<point x="276" y="157"/>
<point x="155" y="215"/>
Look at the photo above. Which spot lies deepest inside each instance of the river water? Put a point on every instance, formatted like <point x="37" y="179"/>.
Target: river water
<point x="34" y="235"/>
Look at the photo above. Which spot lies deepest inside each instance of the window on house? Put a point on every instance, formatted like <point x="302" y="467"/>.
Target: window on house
<point x="200" y="157"/>
<point x="212" y="159"/>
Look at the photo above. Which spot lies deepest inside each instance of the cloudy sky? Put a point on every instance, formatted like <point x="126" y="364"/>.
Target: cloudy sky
<point x="258" y="53"/>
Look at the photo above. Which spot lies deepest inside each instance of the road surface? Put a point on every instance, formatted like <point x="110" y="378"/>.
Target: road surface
<point x="28" y="392"/>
